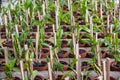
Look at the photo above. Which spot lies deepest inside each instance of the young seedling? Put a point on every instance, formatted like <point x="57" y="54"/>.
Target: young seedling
<point x="15" y="54"/>
<point x="29" y="63"/>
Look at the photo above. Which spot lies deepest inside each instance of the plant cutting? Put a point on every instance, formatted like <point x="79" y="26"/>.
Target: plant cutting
<point x="10" y="68"/>
<point x="29" y="64"/>
<point x="114" y="49"/>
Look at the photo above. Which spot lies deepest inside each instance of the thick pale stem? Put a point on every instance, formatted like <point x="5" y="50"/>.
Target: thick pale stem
<point x="78" y="65"/>
<point x="9" y="13"/>
<point x="119" y="14"/>
<point x="37" y="42"/>
<point x="106" y="3"/>
<point x="6" y="54"/>
<point x="86" y="15"/>
<point x="74" y="42"/>
<point x="110" y="28"/>
<point x="16" y="27"/>
<point x="56" y="16"/>
<point x="108" y="23"/>
<point x="91" y="26"/>
<point x="96" y="4"/>
<point x="69" y="4"/>
<point x="5" y="22"/>
<point x="108" y="68"/>
<point x="50" y="71"/>
<point x="39" y="15"/>
<point x="100" y="78"/>
<point x="98" y="50"/>
<point x="93" y="2"/>
<point x="67" y="78"/>
<point x="51" y="56"/>
<point x="27" y="55"/>
<point x="101" y="15"/>
<point x="104" y="70"/>
<point x="43" y="8"/>
<point x="27" y="17"/>
<point x="15" y="54"/>
<point x="22" y="69"/>
<point x="55" y="41"/>
<point x="71" y="14"/>
<point x="46" y="3"/>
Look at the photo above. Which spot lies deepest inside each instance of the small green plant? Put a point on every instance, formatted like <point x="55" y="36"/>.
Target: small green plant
<point x="10" y="67"/>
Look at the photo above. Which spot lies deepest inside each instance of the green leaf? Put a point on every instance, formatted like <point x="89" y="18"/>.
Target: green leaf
<point x="32" y="55"/>
<point x="35" y="72"/>
<point x="16" y="69"/>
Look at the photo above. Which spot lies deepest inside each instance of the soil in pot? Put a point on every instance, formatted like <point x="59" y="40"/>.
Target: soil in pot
<point x="64" y="43"/>
<point x="1" y="54"/>
<point x="115" y="66"/>
<point x="38" y="77"/>
<point x="7" y="44"/>
<point x="2" y="29"/>
<point x="89" y="55"/>
<point x="45" y="52"/>
<point x="65" y="65"/>
<point x="66" y="29"/>
<point x="65" y="8"/>
<point x="34" y="28"/>
<point x="62" y="54"/>
<point x="2" y="66"/>
<point x="49" y="43"/>
<point x="16" y="78"/>
<point x="71" y="55"/>
<point x="48" y="35"/>
<point x="85" y="66"/>
<point x="82" y="52"/>
<point x="40" y="66"/>
<point x="3" y="35"/>
<point x="67" y="36"/>
<point x="59" y="77"/>
<point x="48" y="28"/>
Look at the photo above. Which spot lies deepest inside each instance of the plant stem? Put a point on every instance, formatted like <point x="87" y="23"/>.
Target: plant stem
<point x="22" y="69"/>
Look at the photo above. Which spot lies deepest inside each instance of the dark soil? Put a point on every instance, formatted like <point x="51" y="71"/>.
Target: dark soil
<point x="81" y="51"/>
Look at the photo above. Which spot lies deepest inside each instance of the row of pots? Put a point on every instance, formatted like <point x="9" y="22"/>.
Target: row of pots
<point x="67" y="35"/>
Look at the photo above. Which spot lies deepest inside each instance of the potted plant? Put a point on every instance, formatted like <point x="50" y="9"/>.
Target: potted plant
<point x="10" y="67"/>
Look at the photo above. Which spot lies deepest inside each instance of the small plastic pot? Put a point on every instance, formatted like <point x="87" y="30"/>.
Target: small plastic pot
<point x="40" y="66"/>
<point x="62" y="54"/>
<point x="82" y="52"/>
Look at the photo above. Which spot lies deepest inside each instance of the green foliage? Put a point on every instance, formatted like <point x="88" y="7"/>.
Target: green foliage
<point x="10" y="68"/>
